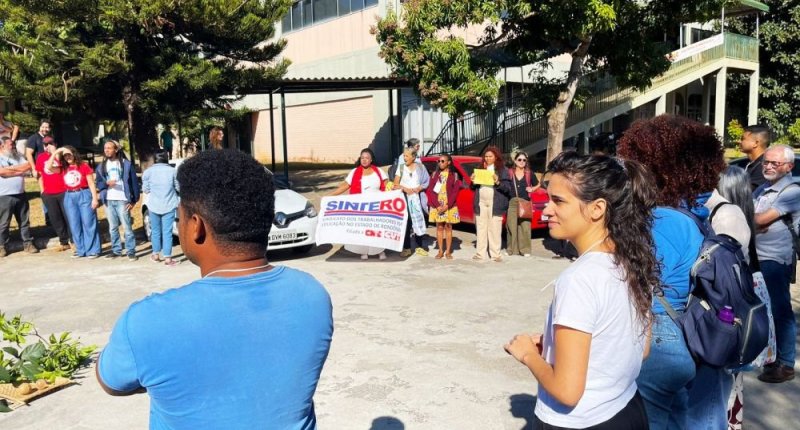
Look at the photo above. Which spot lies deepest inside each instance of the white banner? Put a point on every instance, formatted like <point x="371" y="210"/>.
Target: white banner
<point x="696" y="48"/>
<point x="369" y="219"/>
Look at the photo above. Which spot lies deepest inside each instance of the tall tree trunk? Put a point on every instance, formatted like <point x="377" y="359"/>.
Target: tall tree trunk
<point x="141" y="128"/>
<point x="557" y="117"/>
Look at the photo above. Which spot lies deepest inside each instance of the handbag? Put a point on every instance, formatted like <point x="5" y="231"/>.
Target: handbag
<point x="524" y="208"/>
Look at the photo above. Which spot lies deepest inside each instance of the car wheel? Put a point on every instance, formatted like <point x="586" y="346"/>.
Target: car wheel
<point x="302" y="249"/>
<point x="148" y="230"/>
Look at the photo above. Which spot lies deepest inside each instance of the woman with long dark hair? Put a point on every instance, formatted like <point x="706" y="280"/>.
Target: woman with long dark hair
<point x="597" y="329"/>
<point x="489" y="205"/>
<point x="161" y="183"/>
<point x="442" y="192"/>
<point x="685" y="157"/>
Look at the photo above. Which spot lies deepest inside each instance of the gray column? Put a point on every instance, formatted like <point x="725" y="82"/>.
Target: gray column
<point x="705" y="107"/>
<point x="719" y="101"/>
<point x="752" y="104"/>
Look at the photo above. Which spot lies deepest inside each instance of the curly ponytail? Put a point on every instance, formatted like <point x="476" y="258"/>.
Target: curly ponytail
<point x="631" y="195"/>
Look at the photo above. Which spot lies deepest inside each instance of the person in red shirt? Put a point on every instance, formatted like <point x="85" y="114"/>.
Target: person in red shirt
<point x="80" y="200"/>
<point x="53" y="189"/>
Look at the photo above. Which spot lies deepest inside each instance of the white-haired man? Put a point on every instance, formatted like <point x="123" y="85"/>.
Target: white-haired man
<point x="777" y="206"/>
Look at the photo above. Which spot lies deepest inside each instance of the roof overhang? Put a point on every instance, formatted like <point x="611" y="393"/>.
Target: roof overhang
<point x="745" y="7"/>
<point x="320" y="85"/>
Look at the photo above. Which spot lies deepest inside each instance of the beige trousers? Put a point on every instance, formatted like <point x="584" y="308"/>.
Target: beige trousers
<point x="489" y="228"/>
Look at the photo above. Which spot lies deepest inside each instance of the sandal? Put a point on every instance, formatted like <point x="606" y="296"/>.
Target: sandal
<point x="154" y="258"/>
<point x="171" y="263"/>
<point x="439" y="255"/>
<point x="449" y="256"/>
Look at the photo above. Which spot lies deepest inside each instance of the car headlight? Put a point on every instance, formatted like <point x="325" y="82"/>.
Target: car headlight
<point x="311" y="211"/>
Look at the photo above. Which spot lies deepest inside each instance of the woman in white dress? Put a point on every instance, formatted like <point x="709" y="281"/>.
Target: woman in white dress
<point x="365" y="178"/>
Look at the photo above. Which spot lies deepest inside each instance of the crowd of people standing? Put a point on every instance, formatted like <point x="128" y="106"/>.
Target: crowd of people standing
<point x="72" y="191"/>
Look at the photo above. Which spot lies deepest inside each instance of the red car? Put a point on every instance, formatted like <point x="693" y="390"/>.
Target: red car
<point x="464" y="165"/>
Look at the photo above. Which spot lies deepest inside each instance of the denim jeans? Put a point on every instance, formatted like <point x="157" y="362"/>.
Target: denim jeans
<point x="777" y="277"/>
<point x="665" y="375"/>
<point x="708" y="399"/>
<point x="82" y="222"/>
<point x="161" y="232"/>
<point x="116" y="213"/>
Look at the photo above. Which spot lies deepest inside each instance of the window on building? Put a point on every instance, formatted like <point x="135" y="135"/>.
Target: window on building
<point x="297" y="17"/>
<point x="309" y="12"/>
<point x="286" y="24"/>
<point x="324" y="9"/>
<point x="344" y="7"/>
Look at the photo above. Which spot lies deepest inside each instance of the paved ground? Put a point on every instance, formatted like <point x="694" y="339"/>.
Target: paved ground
<point x="417" y="342"/>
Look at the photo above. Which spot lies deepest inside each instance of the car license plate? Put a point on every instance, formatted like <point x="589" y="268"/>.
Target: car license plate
<point x="282" y="236"/>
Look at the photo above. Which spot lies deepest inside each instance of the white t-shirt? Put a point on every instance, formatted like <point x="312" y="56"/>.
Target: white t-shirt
<point x="114" y="173"/>
<point x="369" y="183"/>
<point x="591" y="296"/>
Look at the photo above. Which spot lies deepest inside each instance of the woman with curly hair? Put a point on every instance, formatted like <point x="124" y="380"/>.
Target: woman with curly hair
<point x="685" y="157"/>
<point x="489" y="204"/>
<point x="597" y="328"/>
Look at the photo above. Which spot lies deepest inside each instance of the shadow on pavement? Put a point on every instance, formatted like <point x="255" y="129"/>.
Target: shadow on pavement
<point x="522" y="407"/>
<point x="387" y="423"/>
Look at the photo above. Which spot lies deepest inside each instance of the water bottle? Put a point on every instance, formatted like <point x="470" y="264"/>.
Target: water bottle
<point x="726" y="315"/>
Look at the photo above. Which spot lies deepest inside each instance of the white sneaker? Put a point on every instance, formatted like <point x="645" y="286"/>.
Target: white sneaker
<point x="382" y="256"/>
<point x="364" y="256"/>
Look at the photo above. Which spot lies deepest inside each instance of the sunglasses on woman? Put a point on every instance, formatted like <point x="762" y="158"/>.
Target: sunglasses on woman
<point x="522" y="159"/>
<point x="442" y="161"/>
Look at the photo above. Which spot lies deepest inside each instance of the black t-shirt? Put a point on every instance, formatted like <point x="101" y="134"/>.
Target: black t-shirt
<point x="521" y="185"/>
<point x="754" y="169"/>
<point x="36" y="142"/>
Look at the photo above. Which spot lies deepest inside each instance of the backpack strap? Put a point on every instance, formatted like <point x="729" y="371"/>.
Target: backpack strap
<point x="667" y="307"/>
<point x="700" y="224"/>
<point x="716" y="208"/>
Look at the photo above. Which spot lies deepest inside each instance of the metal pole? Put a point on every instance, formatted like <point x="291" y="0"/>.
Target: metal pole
<point x="272" y="129"/>
<point x="285" y="144"/>
<point x="180" y="139"/>
<point x="391" y="124"/>
<point x="400" y="119"/>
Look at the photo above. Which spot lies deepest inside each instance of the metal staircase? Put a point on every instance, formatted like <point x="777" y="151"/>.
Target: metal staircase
<point x="510" y="127"/>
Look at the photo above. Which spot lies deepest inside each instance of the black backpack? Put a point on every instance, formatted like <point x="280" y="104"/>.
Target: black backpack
<point x="721" y="277"/>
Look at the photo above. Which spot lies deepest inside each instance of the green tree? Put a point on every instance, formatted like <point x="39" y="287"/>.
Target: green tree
<point x="137" y="60"/>
<point x="779" y="58"/>
<point x="622" y="38"/>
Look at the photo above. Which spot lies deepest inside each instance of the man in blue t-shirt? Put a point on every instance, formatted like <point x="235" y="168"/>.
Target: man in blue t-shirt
<point x="240" y="348"/>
